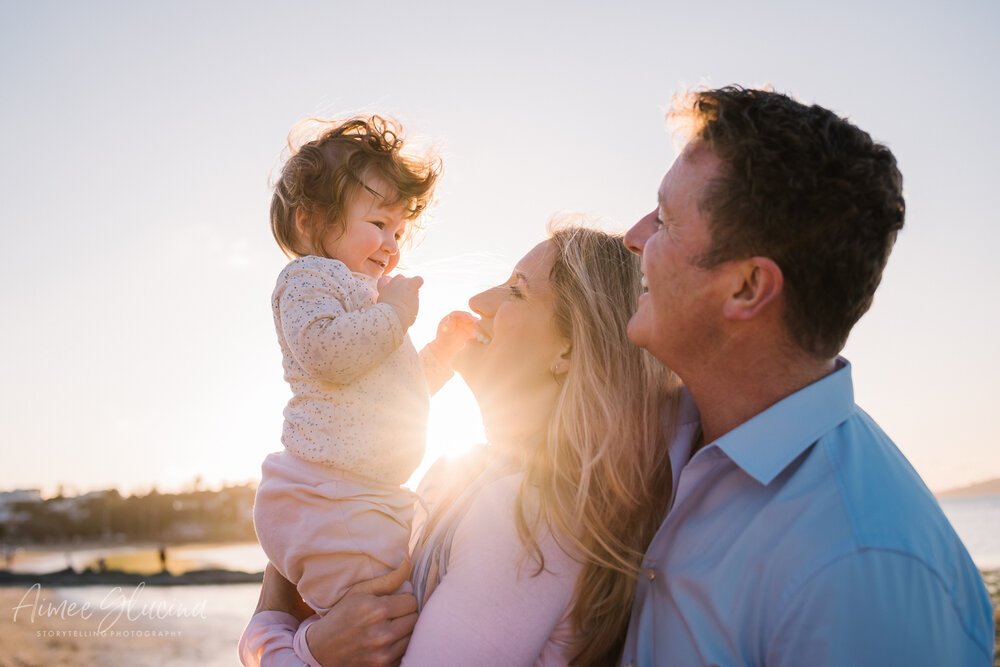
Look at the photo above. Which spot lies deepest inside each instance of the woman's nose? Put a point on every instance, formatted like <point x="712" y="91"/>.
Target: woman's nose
<point x="484" y="303"/>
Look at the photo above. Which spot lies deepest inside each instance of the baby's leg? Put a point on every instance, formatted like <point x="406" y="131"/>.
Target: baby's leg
<point x="327" y="532"/>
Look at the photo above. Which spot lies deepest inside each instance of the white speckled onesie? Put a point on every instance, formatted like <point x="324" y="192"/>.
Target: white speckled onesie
<point x="329" y="510"/>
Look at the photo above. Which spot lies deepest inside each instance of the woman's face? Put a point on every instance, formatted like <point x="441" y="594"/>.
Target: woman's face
<point x="517" y="343"/>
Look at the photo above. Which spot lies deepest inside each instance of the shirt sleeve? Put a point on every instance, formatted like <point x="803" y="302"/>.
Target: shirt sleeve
<point x="877" y="607"/>
<point x="491" y="608"/>
<point x="327" y="340"/>
<point x="276" y="639"/>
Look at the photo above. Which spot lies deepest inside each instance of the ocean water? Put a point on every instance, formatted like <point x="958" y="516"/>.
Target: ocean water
<point x="976" y="519"/>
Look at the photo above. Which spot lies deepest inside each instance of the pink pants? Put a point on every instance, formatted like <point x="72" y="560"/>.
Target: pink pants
<point x="326" y="529"/>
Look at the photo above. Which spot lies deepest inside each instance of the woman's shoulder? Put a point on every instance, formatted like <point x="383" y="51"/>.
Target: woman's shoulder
<point x="452" y="473"/>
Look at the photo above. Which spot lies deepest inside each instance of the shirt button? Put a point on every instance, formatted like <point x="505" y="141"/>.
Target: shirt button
<point x="651" y="574"/>
<point x="629" y="664"/>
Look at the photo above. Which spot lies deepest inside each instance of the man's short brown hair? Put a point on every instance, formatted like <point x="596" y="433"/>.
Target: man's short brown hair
<point x="809" y="190"/>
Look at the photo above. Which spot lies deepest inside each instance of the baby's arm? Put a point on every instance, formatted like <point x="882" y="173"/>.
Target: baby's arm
<point x="332" y="343"/>
<point x="453" y="331"/>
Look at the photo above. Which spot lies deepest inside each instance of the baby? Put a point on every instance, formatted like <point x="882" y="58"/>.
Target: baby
<point x="329" y="510"/>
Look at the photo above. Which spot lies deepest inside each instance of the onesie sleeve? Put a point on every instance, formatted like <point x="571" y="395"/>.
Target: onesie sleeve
<point x="271" y="640"/>
<point x="328" y="340"/>
<point x="492" y="606"/>
<point x="436" y="372"/>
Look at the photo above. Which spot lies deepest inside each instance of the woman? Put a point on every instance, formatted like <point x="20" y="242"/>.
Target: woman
<point x="534" y="560"/>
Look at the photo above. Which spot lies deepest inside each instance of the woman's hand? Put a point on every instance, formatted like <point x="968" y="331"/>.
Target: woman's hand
<point x="368" y="626"/>
<point x="279" y="594"/>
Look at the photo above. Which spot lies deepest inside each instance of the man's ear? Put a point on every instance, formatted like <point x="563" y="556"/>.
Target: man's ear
<point x="757" y="283"/>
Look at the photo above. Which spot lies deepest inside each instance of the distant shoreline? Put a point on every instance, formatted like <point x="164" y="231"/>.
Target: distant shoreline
<point x="990" y="487"/>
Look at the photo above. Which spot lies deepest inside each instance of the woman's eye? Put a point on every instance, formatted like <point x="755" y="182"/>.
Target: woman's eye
<point x="516" y="292"/>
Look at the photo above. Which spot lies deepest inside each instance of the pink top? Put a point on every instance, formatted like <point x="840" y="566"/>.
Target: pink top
<point x="489" y="609"/>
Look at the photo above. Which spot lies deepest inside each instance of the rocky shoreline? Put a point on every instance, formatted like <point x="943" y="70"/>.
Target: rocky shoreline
<point x="69" y="577"/>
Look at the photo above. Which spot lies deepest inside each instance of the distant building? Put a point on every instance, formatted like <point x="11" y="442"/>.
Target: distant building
<point x="8" y="499"/>
<point x="20" y="496"/>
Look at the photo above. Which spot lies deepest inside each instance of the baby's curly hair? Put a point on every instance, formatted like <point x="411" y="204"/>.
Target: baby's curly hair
<point x="328" y="165"/>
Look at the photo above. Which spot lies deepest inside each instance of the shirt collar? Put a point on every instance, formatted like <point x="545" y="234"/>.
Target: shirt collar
<point x="767" y="443"/>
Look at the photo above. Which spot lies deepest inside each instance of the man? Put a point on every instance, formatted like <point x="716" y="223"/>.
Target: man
<point x="798" y="533"/>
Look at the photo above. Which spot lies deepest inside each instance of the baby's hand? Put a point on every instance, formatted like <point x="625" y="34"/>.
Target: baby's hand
<point x="453" y="331"/>
<point x="401" y="293"/>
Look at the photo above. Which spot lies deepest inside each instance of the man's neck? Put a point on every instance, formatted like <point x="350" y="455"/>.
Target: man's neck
<point x="730" y="397"/>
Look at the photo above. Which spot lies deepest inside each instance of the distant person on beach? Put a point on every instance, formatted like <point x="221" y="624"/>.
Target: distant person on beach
<point x="329" y="510"/>
<point x="798" y="533"/>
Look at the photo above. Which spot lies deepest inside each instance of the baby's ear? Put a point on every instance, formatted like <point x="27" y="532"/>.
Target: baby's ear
<point x="302" y="222"/>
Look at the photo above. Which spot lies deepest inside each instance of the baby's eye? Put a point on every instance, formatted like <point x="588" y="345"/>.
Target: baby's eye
<point x="380" y="225"/>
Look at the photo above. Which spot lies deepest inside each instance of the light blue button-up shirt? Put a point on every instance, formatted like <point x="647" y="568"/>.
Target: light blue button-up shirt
<point x="804" y="537"/>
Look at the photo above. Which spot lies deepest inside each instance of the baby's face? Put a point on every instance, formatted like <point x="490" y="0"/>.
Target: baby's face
<point x="368" y="243"/>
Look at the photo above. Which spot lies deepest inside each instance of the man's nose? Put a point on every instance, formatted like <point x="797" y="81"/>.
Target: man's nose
<point x="635" y="238"/>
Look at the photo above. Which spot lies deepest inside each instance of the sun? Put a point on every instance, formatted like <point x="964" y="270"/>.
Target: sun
<point x="454" y="425"/>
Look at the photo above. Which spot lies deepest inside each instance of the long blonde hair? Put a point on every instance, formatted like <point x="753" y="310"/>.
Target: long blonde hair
<point x="602" y="481"/>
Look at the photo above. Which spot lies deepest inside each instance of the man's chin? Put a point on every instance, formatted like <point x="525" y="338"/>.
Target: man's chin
<point x="637" y="331"/>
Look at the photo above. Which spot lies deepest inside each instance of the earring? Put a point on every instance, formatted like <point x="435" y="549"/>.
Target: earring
<point x="557" y="372"/>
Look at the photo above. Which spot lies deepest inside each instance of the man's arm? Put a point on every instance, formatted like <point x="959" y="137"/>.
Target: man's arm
<point x="879" y="607"/>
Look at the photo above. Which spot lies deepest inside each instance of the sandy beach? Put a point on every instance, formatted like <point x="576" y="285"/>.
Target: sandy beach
<point x="205" y="639"/>
<point x="163" y="628"/>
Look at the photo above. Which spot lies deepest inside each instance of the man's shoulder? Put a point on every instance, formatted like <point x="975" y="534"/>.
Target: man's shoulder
<point x="882" y="496"/>
<point x="869" y="499"/>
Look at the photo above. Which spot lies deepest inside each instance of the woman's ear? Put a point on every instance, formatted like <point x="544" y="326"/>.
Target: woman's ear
<point x="560" y="365"/>
<point x="758" y="282"/>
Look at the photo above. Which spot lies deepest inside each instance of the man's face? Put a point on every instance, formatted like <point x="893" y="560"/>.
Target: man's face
<point x="678" y="319"/>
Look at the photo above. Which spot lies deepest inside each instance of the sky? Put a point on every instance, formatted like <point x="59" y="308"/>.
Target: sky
<point x="139" y="141"/>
